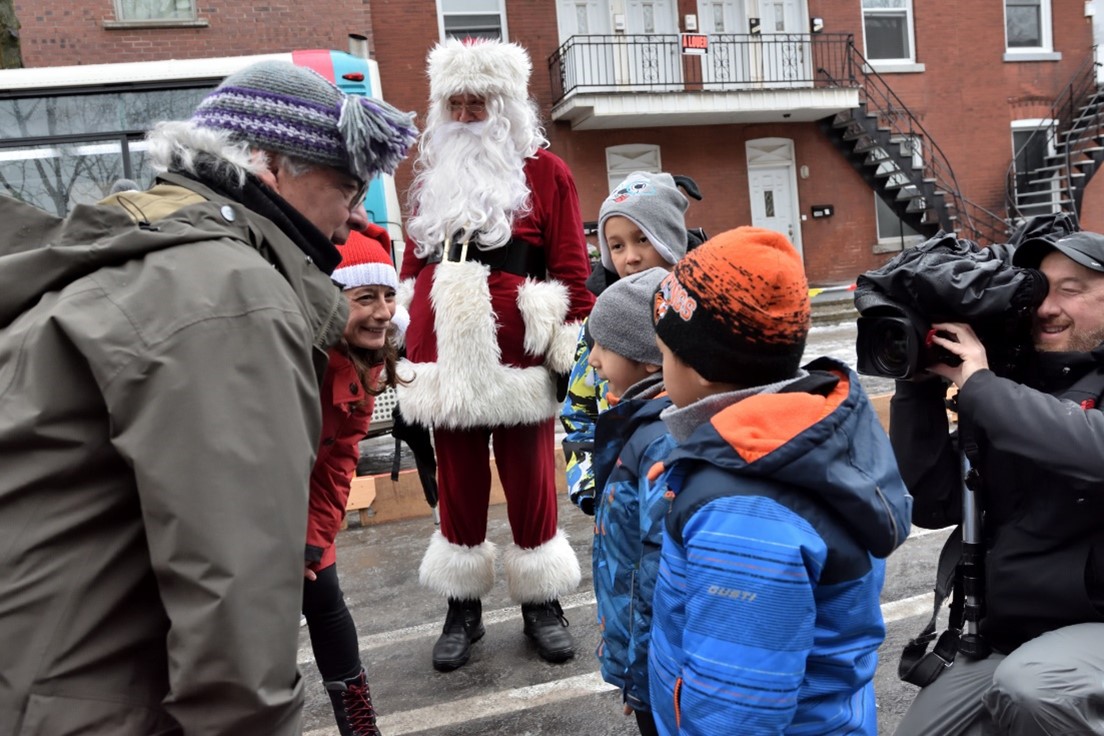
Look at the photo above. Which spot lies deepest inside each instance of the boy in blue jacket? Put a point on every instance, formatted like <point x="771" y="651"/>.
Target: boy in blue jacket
<point x="641" y="225"/>
<point x="628" y="511"/>
<point x="785" y="501"/>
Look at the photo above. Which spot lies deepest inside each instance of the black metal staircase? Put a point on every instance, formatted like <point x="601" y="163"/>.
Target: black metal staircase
<point x="886" y="144"/>
<point x="1073" y="143"/>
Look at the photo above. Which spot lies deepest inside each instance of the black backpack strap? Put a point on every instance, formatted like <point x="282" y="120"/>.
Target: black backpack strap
<point x="917" y="665"/>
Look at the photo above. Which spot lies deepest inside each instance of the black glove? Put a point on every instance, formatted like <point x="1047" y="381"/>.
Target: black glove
<point x="562" y="380"/>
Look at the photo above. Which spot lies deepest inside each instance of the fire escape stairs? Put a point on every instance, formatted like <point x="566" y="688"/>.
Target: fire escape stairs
<point x="886" y="162"/>
<point x="890" y="149"/>
<point x="1078" y="153"/>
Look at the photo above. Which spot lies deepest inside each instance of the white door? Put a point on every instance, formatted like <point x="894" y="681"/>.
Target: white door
<point x="584" y="27"/>
<point x="725" y="65"/>
<point x="644" y="63"/>
<point x="787" y="53"/>
<point x="774" y="201"/>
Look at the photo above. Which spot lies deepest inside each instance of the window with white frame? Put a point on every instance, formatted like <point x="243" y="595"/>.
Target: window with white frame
<point x="624" y="160"/>
<point x="888" y="30"/>
<point x="155" y="10"/>
<point x="472" y="18"/>
<point x="1027" y="26"/>
<point x="891" y="228"/>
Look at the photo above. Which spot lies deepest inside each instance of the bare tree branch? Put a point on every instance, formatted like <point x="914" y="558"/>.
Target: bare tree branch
<point x="11" y="56"/>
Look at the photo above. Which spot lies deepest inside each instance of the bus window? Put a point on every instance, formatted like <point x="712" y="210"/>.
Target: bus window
<point x="56" y="177"/>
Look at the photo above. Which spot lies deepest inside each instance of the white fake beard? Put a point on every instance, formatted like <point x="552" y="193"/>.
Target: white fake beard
<point x="471" y="179"/>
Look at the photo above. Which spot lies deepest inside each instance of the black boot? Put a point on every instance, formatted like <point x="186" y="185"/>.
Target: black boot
<point x="463" y="627"/>
<point x="352" y="706"/>
<point x="546" y="625"/>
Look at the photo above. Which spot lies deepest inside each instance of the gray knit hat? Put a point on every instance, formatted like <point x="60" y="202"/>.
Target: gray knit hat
<point x="657" y="207"/>
<point x="621" y="319"/>
<point x="280" y="107"/>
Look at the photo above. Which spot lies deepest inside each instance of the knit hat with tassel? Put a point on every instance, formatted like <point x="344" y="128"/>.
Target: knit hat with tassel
<point x="280" y="107"/>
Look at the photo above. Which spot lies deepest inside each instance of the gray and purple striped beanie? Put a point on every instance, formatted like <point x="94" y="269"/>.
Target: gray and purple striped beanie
<point x="280" y="107"/>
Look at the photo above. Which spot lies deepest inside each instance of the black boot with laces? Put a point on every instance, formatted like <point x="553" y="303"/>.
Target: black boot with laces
<point x="352" y="705"/>
<point x="546" y="625"/>
<point x="463" y="627"/>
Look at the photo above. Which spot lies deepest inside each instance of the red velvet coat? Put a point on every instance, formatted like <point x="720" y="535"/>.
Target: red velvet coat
<point x="344" y="425"/>
<point x="554" y="225"/>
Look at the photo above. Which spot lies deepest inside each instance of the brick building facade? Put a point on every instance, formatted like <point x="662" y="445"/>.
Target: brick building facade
<point x="748" y="120"/>
<point x="70" y="32"/>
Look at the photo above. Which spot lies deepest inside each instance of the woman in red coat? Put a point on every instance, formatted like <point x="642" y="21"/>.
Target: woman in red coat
<point x="352" y="381"/>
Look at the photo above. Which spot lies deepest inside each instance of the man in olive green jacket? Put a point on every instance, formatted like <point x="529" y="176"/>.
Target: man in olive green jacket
<point x="159" y="363"/>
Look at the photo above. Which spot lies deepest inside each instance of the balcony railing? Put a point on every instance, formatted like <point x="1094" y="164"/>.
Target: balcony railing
<point x="621" y="64"/>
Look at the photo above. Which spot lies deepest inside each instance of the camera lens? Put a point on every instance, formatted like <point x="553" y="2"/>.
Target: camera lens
<point x="887" y="346"/>
<point x="890" y="348"/>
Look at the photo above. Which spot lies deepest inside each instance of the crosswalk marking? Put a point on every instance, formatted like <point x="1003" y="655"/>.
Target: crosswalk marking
<point x="503" y="702"/>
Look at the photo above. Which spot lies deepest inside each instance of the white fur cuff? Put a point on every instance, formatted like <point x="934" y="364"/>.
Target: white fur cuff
<point x="565" y="345"/>
<point x="542" y="573"/>
<point x="543" y="306"/>
<point x="404" y="295"/>
<point x="456" y="571"/>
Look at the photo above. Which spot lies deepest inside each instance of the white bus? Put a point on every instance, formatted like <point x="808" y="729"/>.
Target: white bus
<point x="68" y="133"/>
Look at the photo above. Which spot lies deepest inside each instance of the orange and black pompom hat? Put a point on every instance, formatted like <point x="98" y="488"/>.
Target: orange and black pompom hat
<point x="736" y="309"/>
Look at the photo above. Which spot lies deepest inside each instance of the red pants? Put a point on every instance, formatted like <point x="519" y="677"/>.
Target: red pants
<point x="525" y="456"/>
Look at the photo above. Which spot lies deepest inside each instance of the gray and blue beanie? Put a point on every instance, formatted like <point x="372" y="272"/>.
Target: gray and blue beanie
<point x="658" y="208"/>
<point x="280" y="107"/>
<point x="621" y="319"/>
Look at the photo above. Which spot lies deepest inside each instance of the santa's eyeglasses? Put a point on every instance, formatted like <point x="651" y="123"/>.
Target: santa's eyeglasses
<point x="476" y="108"/>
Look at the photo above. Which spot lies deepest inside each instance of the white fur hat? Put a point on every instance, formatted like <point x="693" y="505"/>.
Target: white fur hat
<point x="480" y="67"/>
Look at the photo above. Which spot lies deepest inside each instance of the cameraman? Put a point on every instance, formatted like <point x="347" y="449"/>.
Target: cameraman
<point x="1040" y="455"/>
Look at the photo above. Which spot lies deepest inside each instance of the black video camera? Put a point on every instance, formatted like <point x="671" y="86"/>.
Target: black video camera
<point x="945" y="280"/>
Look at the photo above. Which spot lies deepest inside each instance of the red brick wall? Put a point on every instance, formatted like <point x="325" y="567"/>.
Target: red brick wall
<point x="64" y="32"/>
<point x="968" y="96"/>
<point x="966" y="100"/>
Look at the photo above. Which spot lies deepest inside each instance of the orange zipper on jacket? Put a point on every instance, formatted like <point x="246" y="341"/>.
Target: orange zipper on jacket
<point x="678" y="712"/>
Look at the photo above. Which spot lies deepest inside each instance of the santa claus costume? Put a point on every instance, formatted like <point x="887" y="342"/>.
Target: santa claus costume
<point x="498" y="264"/>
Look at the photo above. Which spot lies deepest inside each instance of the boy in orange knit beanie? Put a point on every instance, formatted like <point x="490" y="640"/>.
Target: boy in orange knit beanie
<point x="785" y="498"/>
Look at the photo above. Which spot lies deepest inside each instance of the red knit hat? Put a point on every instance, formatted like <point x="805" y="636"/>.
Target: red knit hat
<point x="736" y="309"/>
<point x="364" y="262"/>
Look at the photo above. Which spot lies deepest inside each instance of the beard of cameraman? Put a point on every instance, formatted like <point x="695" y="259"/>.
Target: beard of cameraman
<point x="1040" y="455"/>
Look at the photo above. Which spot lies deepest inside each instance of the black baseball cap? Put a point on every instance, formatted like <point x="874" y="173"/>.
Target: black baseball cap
<point x="1081" y="247"/>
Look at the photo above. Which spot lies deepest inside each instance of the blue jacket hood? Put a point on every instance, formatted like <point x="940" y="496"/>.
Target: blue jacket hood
<point x="820" y="434"/>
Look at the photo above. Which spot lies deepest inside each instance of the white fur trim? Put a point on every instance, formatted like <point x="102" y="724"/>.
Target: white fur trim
<point x="366" y="274"/>
<point x="481" y="68"/>
<point x="542" y="573"/>
<point x="469" y="386"/>
<point x="400" y="321"/>
<point x="456" y="571"/>
<point x="404" y="295"/>
<point x="543" y="306"/>
<point x="565" y="343"/>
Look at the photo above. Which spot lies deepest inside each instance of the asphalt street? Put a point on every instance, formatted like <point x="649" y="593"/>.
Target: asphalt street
<point x="506" y="689"/>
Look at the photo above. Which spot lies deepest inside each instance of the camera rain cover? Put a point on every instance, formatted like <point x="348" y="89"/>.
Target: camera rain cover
<point x="948" y="279"/>
<point x="944" y="280"/>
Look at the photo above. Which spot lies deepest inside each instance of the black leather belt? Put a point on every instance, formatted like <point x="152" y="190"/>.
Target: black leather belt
<point x="517" y="257"/>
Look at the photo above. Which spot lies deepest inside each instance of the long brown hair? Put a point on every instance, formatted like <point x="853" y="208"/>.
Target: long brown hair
<point x="364" y="360"/>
